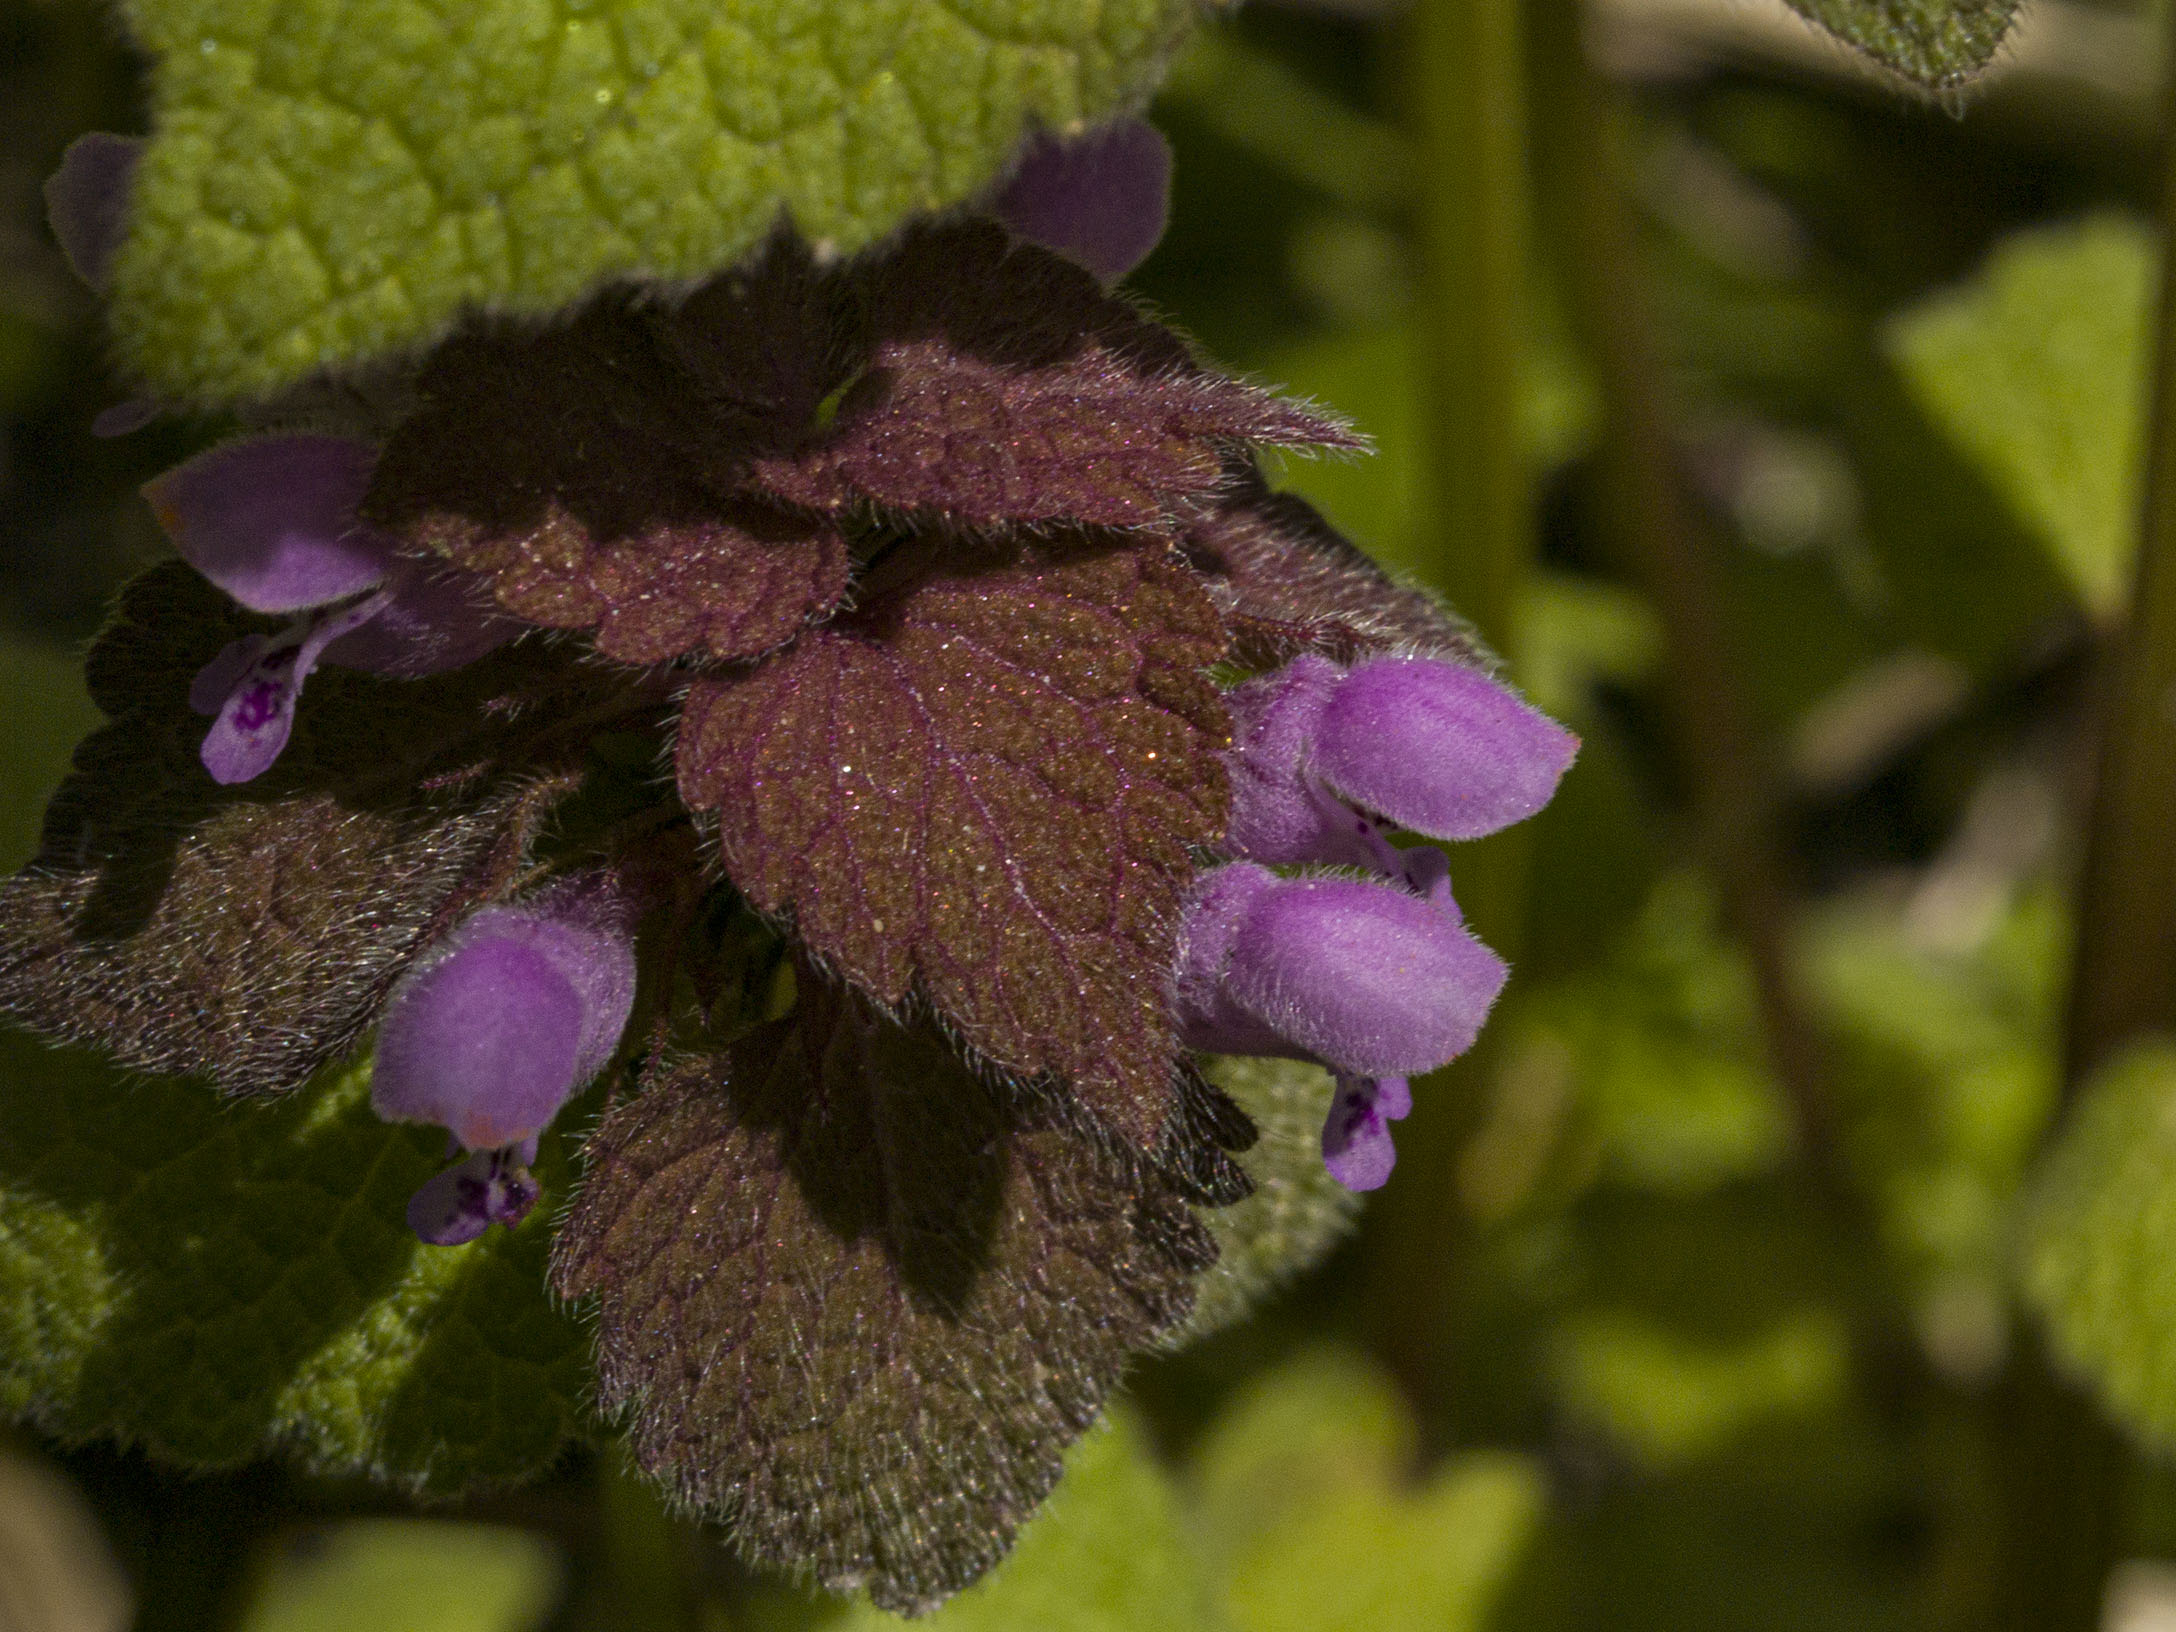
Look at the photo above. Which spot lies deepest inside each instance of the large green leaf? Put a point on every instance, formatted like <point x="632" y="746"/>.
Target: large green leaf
<point x="2100" y="1235"/>
<point x="329" y="180"/>
<point x="219" y="1282"/>
<point x="2037" y="370"/>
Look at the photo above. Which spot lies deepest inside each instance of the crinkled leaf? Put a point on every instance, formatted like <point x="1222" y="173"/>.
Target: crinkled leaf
<point x="221" y="1282"/>
<point x="982" y="788"/>
<point x="2099" y="1235"/>
<point x="860" y="1300"/>
<point x="2037" y="370"/>
<point x="565" y="466"/>
<point x="249" y="932"/>
<point x="1001" y="383"/>
<point x="1940" y="44"/>
<point x="327" y="182"/>
<point x="1296" y="1213"/>
<point x="1288" y="582"/>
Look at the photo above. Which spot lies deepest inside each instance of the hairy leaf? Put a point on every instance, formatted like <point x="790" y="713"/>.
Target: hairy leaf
<point x="327" y="182"/>
<point x="220" y="1283"/>
<point x="1288" y="582"/>
<point x="1001" y="383"/>
<point x="565" y="465"/>
<point x="1940" y="44"/>
<point x="1296" y="1212"/>
<point x="2099" y="1231"/>
<point x="860" y="1300"/>
<point x="981" y="788"/>
<point x="249" y="932"/>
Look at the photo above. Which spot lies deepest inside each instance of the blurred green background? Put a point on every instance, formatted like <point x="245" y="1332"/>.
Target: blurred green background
<point x="1695" y="1302"/>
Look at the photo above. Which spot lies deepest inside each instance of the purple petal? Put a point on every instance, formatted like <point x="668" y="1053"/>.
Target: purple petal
<point x="1215" y="914"/>
<point x="126" y="418"/>
<point x="1356" y="1145"/>
<point x="1101" y="198"/>
<point x="1364" y="976"/>
<point x="1280" y="815"/>
<point x="514" y="1011"/>
<point x="271" y="520"/>
<point x="86" y="200"/>
<point x="1439" y="747"/>
<point x="264" y="678"/>
<point x="432" y="621"/>
<point x="468" y="1198"/>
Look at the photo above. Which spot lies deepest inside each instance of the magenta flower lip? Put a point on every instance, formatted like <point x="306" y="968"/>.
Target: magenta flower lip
<point x="1101" y="198"/>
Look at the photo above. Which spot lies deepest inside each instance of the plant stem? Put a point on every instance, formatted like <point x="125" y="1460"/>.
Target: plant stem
<point x="1467" y="97"/>
<point x="1665" y="542"/>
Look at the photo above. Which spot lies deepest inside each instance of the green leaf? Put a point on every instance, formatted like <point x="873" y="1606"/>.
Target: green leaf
<point x="1940" y="44"/>
<point x="1313" y="1528"/>
<point x="2037" y="369"/>
<point x="1669" y="1398"/>
<point x="219" y="1282"/>
<point x="48" y="710"/>
<point x="415" y="1574"/>
<point x="2100" y="1233"/>
<point x="1297" y="1212"/>
<point x="329" y="181"/>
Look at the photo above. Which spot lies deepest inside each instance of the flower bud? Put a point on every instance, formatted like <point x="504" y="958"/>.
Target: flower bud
<point x="520" y="1006"/>
<point x="1100" y="198"/>
<point x="86" y="200"/>
<point x="1438" y="747"/>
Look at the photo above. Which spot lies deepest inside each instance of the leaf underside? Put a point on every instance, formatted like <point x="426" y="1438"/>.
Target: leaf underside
<point x="250" y="933"/>
<point x="981" y="788"/>
<point x="861" y="1300"/>
<point x="1938" y="44"/>
<point x="1287" y="582"/>
<point x="330" y="182"/>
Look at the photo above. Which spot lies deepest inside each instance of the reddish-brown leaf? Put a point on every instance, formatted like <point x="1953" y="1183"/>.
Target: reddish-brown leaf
<point x="1288" y="582"/>
<point x="857" y="1300"/>
<point x="982" y="787"/>
<point x="250" y="932"/>
<point x="997" y="382"/>
<point x="569" y="467"/>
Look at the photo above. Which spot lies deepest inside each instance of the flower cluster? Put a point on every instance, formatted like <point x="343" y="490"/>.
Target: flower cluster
<point x="1375" y="976"/>
<point x="871" y="616"/>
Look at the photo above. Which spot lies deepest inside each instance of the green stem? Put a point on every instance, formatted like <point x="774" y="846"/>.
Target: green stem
<point x="2066" y="1469"/>
<point x="1469" y="127"/>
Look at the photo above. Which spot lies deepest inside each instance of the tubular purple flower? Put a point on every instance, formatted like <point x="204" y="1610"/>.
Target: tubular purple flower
<point x="1100" y="198"/>
<point x="495" y="1029"/>
<point x="272" y="521"/>
<point x="86" y="201"/>
<point x="1439" y="747"/>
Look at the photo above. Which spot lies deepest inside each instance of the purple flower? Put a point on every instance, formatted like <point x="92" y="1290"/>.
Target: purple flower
<point x="1375" y="977"/>
<point x="86" y="200"/>
<point x="1100" y="198"/>
<point x="272" y="521"/>
<point x="493" y="1031"/>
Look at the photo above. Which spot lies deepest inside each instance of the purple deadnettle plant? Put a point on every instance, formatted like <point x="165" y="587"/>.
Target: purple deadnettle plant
<point x="826" y="754"/>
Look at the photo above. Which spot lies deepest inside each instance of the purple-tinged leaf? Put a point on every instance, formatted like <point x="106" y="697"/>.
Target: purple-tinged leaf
<point x="86" y="200"/>
<point x="857" y="1301"/>
<point x="1002" y="384"/>
<point x="982" y="788"/>
<point x="251" y="933"/>
<point x="271" y="519"/>
<point x="1100" y="198"/>
<point x="1288" y="582"/>
<point x="566" y="467"/>
<point x="1438" y="747"/>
